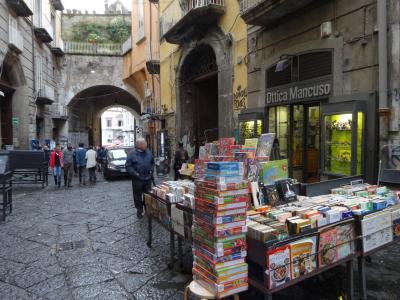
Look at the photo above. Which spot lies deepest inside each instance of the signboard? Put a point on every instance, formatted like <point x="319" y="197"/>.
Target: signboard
<point x="299" y="91"/>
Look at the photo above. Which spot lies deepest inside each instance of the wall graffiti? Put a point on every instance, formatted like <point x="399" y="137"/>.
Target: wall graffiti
<point x="240" y="98"/>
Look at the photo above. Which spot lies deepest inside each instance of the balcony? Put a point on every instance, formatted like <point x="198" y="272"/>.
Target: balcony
<point x="57" y="47"/>
<point x="183" y="22"/>
<point x="57" y="4"/>
<point x="61" y="113"/>
<point x="42" y="28"/>
<point x="127" y="46"/>
<point x="23" y="8"/>
<point x="153" y="59"/>
<point x="46" y="95"/>
<point x="268" y="13"/>
<point x="92" y="49"/>
<point x="15" y="38"/>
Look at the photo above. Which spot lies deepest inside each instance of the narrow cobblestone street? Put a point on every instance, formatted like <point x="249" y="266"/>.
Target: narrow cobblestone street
<point x="112" y="260"/>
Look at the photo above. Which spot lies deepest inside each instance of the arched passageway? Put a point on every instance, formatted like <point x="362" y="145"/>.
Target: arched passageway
<point x="86" y="108"/>
<point x="199" y="95"/>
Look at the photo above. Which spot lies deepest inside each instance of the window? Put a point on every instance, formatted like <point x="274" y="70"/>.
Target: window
<point x="109" y="123"/>
<point x="120" y="123"/>
<point x="53" y="25"/>
<point x="300" y="67"/>
<point x="140" y="5"/>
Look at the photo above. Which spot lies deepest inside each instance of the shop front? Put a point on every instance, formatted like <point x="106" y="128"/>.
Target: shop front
<point x="322" y="135"/>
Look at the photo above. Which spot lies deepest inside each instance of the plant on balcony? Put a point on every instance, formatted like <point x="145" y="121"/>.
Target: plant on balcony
<point x="118" y="30"/>
<point x="94" y="38"/>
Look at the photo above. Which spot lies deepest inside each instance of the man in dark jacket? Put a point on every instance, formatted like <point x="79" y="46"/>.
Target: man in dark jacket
<point x="140" y="166"/>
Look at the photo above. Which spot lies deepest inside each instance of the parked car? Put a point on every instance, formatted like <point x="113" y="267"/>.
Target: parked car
<point x="114" y="164"/>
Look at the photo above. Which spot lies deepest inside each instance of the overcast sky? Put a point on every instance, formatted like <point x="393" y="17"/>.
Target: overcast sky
<point x="90" y="5"/>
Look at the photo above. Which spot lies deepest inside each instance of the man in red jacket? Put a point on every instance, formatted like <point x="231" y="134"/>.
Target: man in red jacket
<point x="56" y="163"/>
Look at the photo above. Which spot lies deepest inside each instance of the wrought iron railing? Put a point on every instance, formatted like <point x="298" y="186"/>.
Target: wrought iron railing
<point x="15" y="37"/>
<point x="177" y="9"/>
<point x="92" y="48"/>
<point x="246" y="5"/>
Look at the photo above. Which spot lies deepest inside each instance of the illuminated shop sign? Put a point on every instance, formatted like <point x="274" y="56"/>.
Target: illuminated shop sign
<point x="298" y="92"/>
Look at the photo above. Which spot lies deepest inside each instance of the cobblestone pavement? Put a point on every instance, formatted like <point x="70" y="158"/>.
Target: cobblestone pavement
<point x="111" y="259"/>
<point x="114" y="262"/>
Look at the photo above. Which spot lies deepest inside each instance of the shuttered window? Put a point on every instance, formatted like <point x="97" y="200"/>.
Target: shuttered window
<point x="301" y="67"/>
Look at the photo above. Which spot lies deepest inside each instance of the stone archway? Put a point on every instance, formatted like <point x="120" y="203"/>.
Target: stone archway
<point x="86" y="107"/>
<point x="221" y="45"/>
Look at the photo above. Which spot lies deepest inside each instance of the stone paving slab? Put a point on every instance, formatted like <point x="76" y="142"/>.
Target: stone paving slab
<point x="115" y="262"/>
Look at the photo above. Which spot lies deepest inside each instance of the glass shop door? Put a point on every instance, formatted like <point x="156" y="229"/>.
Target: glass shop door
<point x="297" y="128"/>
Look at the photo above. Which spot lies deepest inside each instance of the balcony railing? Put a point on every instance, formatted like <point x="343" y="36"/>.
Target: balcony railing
<point x="180" y="17"/>
<point x="127" y="46"/>
<point x="15" y="38"/>
<point x="60" y="113"/>
<point x="92" y="49"/>
<point x="268" y="13"/>
<point x="23" y="8"/>
<point x="153" y="58"/>
<point x="57" y="47"/>
<point x="246" y="5"/>
<point x="46" y="95"/>
<point x="43" y="28"/>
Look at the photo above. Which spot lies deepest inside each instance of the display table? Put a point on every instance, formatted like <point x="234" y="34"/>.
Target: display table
<point x="259" y="270"/>
<point x="159" y="210"/>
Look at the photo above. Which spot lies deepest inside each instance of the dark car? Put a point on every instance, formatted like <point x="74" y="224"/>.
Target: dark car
<point x="114" y="164"/>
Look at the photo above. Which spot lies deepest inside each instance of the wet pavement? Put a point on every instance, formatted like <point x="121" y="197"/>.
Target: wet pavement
<point x="87" y="243"/>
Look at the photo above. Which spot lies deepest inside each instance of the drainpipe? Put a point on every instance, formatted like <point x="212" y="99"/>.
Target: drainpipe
<point x="384" y="111"/>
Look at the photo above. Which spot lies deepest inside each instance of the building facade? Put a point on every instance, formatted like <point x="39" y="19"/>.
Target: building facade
<point x="142" y="67"/>
<point x="30" y="51"/>
<point x="118" y="127"/>
<point x="318" y="77"/>
<point x="203" y="70"/>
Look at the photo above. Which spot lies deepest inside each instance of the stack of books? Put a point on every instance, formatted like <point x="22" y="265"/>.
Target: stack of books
<point x="219" y="229"/>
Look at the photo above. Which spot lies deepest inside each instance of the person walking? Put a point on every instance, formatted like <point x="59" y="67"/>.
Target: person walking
<point x="181" y="157"/>
<point x="140" y="166"/>
<point x="56" y="163"/>
<point x="68" y="157"/>
<point x="81" y="163"/>
<point x="91" y="163"/>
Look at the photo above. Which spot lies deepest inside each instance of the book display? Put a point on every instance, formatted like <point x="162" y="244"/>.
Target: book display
<point x="219" y="230"/>
<point x="250" y="225"/>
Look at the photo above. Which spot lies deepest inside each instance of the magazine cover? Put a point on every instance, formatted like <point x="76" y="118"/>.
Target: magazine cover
<point x="345" y="240"/>
<point x="303" y="255"/>
<point x="265" y="143"/>
<point x="250" y="144"/>
<point x="327" y="248"/>
<point x="225" y="145"/>
<point x="273" y="170"/>
<point x="278" y="266"/>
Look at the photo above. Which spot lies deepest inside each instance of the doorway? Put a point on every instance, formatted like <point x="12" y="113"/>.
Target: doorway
<point x="199" y="97"/>
<point x="298" y="131"/>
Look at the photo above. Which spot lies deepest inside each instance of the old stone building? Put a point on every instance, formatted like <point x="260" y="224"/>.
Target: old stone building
<point x="324" y="76"/>
<point x="30" y="47"/>
<point x="202" y="54"/>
